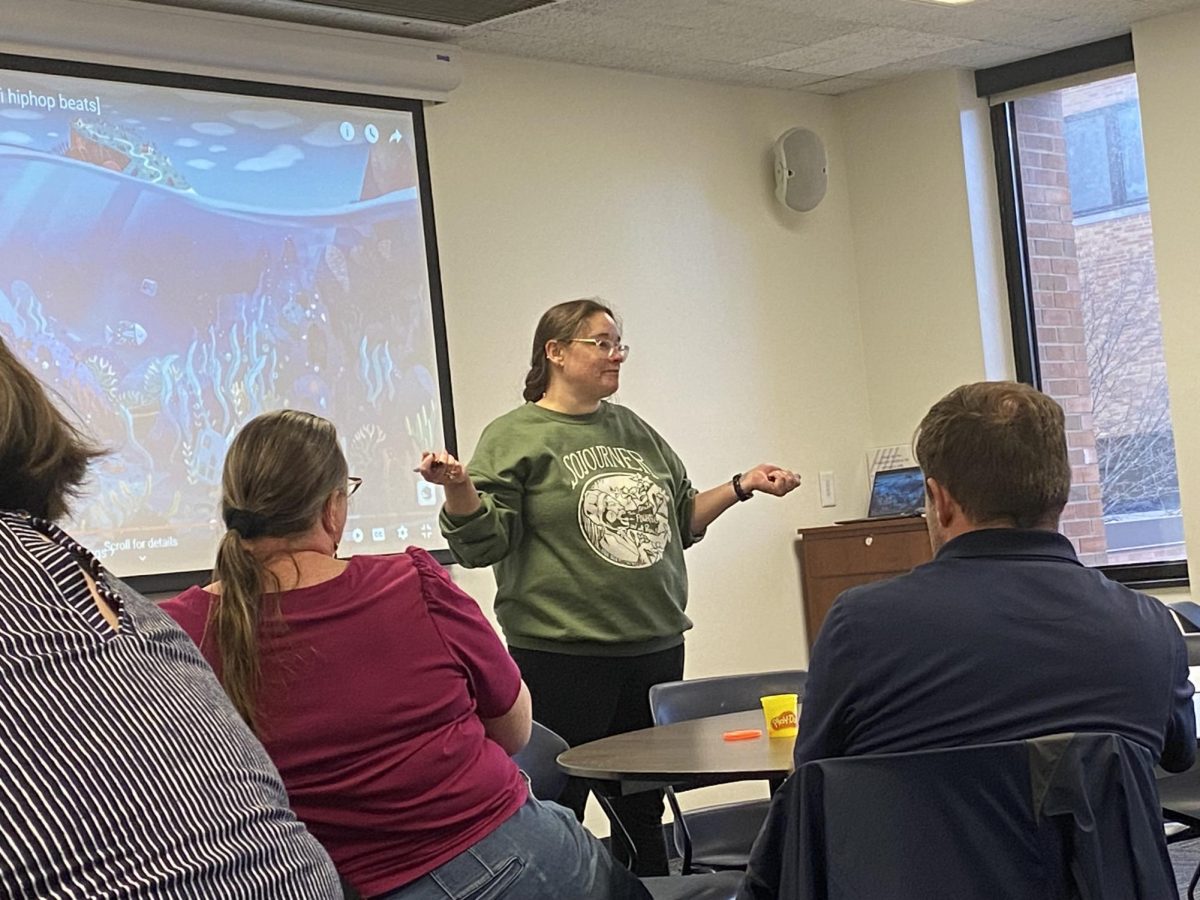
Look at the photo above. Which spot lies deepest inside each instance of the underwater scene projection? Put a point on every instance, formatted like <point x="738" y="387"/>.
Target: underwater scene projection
<point x="176" y="261"/>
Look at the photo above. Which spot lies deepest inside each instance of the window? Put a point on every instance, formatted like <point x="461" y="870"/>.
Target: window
<point x="1080" y="260"/>
<point x="1105" y="162"/>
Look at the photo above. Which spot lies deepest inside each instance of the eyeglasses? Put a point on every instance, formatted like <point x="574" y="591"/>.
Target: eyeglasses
<point x="352" y="485"/>
<point x="605" y="346"/>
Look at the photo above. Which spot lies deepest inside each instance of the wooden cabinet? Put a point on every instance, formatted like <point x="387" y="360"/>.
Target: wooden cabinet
<point x="835" y="557"/>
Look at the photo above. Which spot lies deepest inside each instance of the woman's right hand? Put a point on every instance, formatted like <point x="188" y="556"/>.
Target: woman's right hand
<point x="442" y="468"/>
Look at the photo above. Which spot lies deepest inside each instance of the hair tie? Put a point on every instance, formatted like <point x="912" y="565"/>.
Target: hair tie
<point x="246" y="523"/>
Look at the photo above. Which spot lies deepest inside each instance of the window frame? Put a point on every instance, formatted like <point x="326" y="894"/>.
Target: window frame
<point x="1012" y="77"/>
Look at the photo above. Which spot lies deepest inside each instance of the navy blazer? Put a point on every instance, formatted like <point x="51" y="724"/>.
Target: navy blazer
<point x="1004" y="635"/>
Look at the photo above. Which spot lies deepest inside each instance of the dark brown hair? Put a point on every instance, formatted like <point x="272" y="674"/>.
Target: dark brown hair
<point x="279" y="472"/>
<point x="1000" y="449"/>
<point x="558" y="323"/>
<point x="43" y="457"/>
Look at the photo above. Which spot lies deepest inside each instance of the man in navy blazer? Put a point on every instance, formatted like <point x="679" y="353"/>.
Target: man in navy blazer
<point x="1004" y="635"/>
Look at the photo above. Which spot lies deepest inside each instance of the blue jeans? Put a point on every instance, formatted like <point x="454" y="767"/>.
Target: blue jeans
<point x="538" y="853"/>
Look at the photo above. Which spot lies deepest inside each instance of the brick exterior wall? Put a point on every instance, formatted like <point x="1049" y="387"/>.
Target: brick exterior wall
<point x="1058" y="310"/>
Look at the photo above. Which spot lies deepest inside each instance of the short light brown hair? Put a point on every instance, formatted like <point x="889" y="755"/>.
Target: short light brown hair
<point x="1000" y="449"/>
<point x="43" y="457"/>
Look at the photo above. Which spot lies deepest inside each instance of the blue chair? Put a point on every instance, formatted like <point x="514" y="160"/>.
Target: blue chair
<point x="718" y="837"/>
<point x="1063" y="817"/>
<point x="537" y="761"/>
<point x="547" y="780"/>
<point x="1188" y="613"/>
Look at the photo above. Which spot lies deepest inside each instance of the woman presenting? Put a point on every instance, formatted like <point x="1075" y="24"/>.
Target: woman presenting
<point x="585" y="511"/>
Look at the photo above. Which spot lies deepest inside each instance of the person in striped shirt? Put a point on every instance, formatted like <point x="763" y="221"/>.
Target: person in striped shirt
<point x="124" y="770"/>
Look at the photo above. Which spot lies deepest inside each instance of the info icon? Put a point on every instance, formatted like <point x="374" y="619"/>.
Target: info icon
<point x="347" y="130"/>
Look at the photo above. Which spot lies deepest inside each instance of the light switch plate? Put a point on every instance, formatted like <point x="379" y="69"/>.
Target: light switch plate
<point x="828" y="489"/>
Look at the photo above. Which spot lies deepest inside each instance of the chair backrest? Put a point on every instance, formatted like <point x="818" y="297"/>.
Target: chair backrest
<point x="1065" y="816"/>
<point x="538" y="760"/>
<point x="678" y="701"/>
<point x="1188" y="614"/>
<point x="1192" y="642"/>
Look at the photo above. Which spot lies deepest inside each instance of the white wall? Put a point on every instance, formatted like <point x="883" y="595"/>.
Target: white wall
<point x="1168" y="68"/>
<point x="930" y="272"/>
<point x="554" y="181"/>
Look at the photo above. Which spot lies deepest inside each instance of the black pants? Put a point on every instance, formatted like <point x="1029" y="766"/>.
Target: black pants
<point x="584" y="698"/>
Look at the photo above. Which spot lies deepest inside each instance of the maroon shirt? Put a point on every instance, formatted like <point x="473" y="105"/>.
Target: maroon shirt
<point x="371" y="701"/>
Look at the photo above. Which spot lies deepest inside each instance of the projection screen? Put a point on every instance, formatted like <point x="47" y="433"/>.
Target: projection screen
<point x="179" y="254"/>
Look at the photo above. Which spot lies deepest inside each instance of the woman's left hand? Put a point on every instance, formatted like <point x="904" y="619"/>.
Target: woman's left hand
<point x="770" y="479"/>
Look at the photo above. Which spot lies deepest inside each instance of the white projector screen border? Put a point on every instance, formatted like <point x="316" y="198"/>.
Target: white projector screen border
<point x="116" y="368"/>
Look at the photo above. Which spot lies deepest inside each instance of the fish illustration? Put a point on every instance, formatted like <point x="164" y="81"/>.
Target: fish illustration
<point x="125" y="333"/>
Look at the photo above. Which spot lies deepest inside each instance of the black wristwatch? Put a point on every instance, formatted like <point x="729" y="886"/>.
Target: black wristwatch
<point x="738" y="491"/>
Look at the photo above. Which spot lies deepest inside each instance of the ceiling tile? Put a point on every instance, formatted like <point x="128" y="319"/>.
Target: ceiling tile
<point x="727" y="73"/>
<point x="616" y="32"/>
<point x="722" y="17"/>
<point x="494" y="41"/>
<point x="664" y="64"/>
<point x="908" y="13"/>
<point x="959" y="58"/>
<point x="1049" y="9"/>
<point x="452" y="11"/>
<point x="862" y="50"/>
<point x="978" y="21"/>
<point x="845" y="85"/>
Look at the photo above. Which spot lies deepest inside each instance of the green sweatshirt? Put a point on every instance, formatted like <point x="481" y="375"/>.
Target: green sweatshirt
<point x="585" y="519"/>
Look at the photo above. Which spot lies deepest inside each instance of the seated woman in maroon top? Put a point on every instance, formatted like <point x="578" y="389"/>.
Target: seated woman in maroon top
<point x="379" y="689"/>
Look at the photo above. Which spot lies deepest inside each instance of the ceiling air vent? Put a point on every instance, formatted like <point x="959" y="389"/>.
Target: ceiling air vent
<point x="449" y="12"/>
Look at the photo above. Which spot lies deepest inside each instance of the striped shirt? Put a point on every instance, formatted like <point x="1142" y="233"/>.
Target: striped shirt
<point x="124" y="771"/>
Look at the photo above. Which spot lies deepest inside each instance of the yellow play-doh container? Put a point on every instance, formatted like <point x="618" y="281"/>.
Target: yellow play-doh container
<point x="780" y="712"/>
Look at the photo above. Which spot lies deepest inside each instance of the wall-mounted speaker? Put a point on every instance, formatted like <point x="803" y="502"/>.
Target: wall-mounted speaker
<point x="801" y="169"/>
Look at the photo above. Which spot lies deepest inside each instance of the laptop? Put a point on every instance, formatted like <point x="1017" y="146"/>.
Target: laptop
<point x="895" y="493"/>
